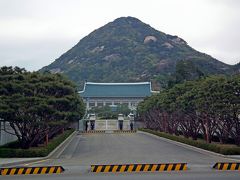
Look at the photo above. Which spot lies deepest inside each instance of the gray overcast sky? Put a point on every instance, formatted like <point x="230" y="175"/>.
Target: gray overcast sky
<point x="33" y="33"/>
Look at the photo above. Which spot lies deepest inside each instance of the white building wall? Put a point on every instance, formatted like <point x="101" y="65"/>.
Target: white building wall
<point x="111" y="124"/>
<point x="94" y="102"/>
<point x="4" y="136"/>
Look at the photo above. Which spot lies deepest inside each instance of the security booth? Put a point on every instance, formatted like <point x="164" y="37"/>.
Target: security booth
<point x="88" y="123"/>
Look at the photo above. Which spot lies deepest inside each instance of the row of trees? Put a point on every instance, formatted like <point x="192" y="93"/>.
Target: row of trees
<point x="37" y="105"/>
<point x="108" y="112"/>
<point x="209" y="107"/>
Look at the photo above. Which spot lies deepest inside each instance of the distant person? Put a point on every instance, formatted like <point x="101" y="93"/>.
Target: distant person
<point x="86" y="126"/>
<point x="121" y="125"/>
<point x="131" y="126"/>
<point x="92" y="125"/>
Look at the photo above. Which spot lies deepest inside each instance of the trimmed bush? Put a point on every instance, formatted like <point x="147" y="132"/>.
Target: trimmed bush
<point x="218" y="148"/>
<point x="8" y="150"/>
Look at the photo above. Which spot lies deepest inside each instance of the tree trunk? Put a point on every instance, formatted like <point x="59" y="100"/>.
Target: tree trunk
<point x="46" y="139"/>
<point x="237" y="140"/>
<point x="194" y="137"/>
<point x="208" y="136"/>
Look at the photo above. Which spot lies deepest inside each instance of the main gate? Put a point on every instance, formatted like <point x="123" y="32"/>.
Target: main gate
<point x="109" y="124"/>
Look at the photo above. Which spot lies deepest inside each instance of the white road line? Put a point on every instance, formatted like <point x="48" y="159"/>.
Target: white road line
<point x="36" y="162"/>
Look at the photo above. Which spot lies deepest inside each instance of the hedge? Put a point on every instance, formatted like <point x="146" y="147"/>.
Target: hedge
<point x="8" y="150"/>
<point x="224" y="149"/>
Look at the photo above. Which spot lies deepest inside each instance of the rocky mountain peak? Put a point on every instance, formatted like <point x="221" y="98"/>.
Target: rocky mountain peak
<point x="128" y="50"/>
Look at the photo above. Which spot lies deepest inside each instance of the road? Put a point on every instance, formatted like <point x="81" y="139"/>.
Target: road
<point x="88" y="149"/>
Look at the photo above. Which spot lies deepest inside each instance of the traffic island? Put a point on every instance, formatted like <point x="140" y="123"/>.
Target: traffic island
<point x="139" y="167"/>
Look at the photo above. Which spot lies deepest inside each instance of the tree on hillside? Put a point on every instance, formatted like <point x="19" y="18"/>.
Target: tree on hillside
<point x="186" y="70"/>
<point x="37" y="105"/>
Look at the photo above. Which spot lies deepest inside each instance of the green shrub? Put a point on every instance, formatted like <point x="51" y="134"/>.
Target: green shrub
<point x="218" y="148"/>
<point x="8" y="150"/>
<point x="14" y="144"/>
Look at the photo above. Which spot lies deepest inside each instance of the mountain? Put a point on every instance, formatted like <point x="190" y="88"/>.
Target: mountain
<point x="128" y="50"/>
<point x="236" y="68"/>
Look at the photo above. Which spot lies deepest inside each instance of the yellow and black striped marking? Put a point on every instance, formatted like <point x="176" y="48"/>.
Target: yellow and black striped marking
<point x="139" y="167"/>
<point x="32" y="170"/>
<point x="93" y="131"/>
<point x="124" y="131"/>
<point x="227" y="166"/>
<point x="103" y="131"/>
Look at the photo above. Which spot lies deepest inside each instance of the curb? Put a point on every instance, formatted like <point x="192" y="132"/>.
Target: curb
<point x="203" y="151"/>
<point x="64" y="143"/>
<point x="32" y="170"/>
<point x="139" y="167"/>
<point x="69" y="138"/>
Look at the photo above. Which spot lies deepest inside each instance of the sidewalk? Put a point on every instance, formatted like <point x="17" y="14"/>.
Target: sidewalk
<point x="5" y="161"/>
<point x="233" y="156"/>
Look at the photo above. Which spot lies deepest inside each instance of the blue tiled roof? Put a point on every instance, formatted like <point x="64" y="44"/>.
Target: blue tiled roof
<point x="116" y="89"/>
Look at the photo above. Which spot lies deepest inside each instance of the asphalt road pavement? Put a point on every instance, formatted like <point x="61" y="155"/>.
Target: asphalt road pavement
<point x="88" y="149"/>
<point x="188" y="175"/>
